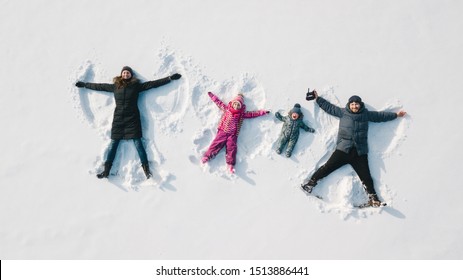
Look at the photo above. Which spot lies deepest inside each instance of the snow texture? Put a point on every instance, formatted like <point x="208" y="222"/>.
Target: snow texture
<point x="395" y="55"/>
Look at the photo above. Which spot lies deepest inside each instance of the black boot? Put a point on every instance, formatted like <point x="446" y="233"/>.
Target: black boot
<point x="146" y="168"/>
<point x="374" y="201"/>
<point x="308" y="187"/>
<point x="105" y="173"/>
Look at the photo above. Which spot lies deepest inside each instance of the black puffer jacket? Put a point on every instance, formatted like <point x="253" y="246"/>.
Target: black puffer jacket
<point x="126" y="122"/>
<point x="353" y="127"/>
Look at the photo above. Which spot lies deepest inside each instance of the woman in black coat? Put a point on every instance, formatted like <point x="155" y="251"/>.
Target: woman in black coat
<point x="126" y="122"/>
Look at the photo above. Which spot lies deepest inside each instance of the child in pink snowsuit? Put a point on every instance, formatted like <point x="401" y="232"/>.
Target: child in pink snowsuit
<point x="229" y="128"/>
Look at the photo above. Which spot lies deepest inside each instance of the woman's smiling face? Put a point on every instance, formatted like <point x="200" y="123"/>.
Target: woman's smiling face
<point x="126" y="75"/>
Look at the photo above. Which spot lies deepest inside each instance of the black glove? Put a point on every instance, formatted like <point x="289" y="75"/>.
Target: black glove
<point x="310" y="95"/>
<point x="267" y="112"/>
<point x="176" y="76"/>
<point x="80" y="84"/>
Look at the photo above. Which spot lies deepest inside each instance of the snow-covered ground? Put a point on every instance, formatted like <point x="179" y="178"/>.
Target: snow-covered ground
<point x="397" y="55"/>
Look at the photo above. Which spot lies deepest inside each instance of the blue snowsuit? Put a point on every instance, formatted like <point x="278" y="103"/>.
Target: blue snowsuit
<point x="290" y="130"/>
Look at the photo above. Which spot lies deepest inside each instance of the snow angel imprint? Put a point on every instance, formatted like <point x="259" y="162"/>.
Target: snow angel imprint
<point x="229" y="128"/>
<point x="126" y="122"/>
<point x="290" y="130"/>
<point x="352" y="142"/>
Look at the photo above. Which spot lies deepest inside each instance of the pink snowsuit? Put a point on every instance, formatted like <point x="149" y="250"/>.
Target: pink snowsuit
<point x="229" y="128"/>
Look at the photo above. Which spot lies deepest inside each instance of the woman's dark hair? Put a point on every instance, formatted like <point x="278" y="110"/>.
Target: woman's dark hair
<point x="121" y="83"/>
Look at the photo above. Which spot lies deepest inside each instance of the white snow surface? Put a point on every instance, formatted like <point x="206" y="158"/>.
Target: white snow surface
<point x="397" y="55"/>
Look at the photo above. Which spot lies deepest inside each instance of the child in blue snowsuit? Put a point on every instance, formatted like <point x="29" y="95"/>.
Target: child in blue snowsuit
<point x="290" y="131"/>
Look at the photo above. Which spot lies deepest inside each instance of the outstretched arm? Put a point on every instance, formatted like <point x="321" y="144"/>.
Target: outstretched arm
<point x="254" y="114"/>
<point x="401" y="114"/>
<point x="328" y="107"/>
<point x="279" y="116"/>
<point x="95" y="86"/>
<point x="158" y="83"/>
<point x="154" y="84"/>
<point x="217" y="101"/>
<point x="382" y="116"/>
<point x="306" y="127"/>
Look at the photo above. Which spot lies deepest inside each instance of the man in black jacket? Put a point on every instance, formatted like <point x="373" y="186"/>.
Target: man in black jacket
<point x="352" y="142"/>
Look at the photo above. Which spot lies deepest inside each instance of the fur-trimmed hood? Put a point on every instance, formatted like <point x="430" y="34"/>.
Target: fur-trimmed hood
<point x="121" y="83"/>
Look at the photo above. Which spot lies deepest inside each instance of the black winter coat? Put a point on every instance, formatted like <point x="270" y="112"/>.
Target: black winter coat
<point x="353" y="127"/>
<point x="126" y="122"/>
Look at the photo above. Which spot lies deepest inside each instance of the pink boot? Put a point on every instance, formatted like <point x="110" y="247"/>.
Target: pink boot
<point x="231" y="168"/>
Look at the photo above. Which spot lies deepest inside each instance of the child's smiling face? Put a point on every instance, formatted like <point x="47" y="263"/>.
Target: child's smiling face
<point x="294" y="116"/>
<point x="236" y="105"/>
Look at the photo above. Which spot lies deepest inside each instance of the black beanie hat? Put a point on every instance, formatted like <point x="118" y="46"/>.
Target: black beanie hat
<point x="296" y="109"/>
<point x="128" y="69"/>
<point x="356" y="99"/>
